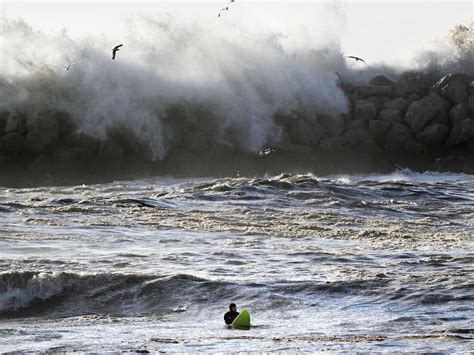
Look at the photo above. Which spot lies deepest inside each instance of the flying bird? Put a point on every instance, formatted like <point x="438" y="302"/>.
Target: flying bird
<point x="265" y="152"/>
<point x="356" y="58"/>
<point x="225" y="8"/>
<point x="69" y="66"/>
<point x="115" y="50"/>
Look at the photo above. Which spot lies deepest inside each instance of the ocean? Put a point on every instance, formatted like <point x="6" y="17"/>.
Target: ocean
<point x="342" y="263"/>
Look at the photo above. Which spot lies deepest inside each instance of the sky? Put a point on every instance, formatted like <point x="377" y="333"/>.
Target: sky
<point x="380" y="31"/>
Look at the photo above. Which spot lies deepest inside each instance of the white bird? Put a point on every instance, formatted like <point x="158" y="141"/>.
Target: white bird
<point x="115" y="50"/>
<point x="265" y="152"/>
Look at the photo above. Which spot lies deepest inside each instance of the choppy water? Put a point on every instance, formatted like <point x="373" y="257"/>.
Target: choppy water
<point x="371" y="263"/>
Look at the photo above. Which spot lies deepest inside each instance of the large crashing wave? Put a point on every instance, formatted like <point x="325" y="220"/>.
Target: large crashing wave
<point x="172" y="83"/>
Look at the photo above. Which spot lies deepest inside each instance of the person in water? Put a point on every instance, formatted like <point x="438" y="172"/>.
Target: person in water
<point x="232" y="314"/>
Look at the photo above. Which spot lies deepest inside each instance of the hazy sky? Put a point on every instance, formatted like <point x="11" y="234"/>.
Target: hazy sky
<point x="389" y="31"/>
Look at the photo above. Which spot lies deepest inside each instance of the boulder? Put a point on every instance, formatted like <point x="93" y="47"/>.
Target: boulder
<point x="461" y="132"/>
<point x="458" y="113"/>
<point x="378" y="101"/>
<point x="378" y="130"/>
<point x="13" y="143"/>
<point x="381" y="80"/>
<point x="332" y="125"/>
<point x="4" y="116"/>
<point x="46" y="120"/>
<point x="415" y="148"/>
<point x="470" y="104"/>
<point x="398" y="104"/>
<point x="37" y="141"/>
<point x="398" y="136"/>
<point x="364" y="110"/>
<point x="433" y="134"/>
<point x="359" y="138"/>
<point x="355" y="125"/>
<point x="303" y="131"/>
<point x="372" y="90"/>
<point x="453" y="87"/>
<point x="15" y="124"/>
<point x="470" y="88"/>
<point x="390" y="115"/>
<point x="413" y="83"/>
<point x="430" y="109"/>
<point x="335" y="144"/>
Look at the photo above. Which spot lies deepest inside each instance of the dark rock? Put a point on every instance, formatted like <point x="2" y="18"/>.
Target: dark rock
<point x="390" y="115"/>
<point x="364" y="110"/>
<point x="470" y="88"/>
<point x="333" y="126"/>
<point x="381" y="80"/>
<point x="413" y="83"/>
<point x="458" y="113"/>
<point x="372" y="90"/>
<point x="415" y="148"/>
<point x="15" y="124"/>
<point x="356" y="124"/>
<point x="461" y="132"/>
<point x="397" y="104"/>
<point x="453" y="87"/>
<point x="433" y="134"/>
<point x="430" y="109"/>
<point x="4" y="116"/>
<point x="398" y="135"/>
<point x="378" y="130"/>
<point x="412" y="98"/>
<point x="359" y="138"/>
<point x="470" y="104"/>
<point x="335" y="144"/>
<point x="37" y="141"/>
<point x="303" y="131"/>
<point x="378" y="101"/>
<point x="13" y="143"/>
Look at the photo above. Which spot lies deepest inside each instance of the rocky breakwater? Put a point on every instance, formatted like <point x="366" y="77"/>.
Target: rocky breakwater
<point x="418" y="121"/>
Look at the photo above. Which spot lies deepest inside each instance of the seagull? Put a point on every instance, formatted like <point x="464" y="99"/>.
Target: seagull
<point x="115" y="49"/>
<point x="225" y="8"/>
<point x="265" y="152"/>
<point x="69" y="66"/>
<point x="356" y="58"/>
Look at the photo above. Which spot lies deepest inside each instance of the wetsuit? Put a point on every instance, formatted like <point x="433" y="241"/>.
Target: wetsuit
<point x="230" y="316"/>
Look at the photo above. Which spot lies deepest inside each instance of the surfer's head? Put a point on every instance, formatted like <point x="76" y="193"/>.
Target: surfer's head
<point x="233" y="307"/>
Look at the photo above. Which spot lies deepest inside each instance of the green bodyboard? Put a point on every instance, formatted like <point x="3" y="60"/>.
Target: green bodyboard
<point x="242" y="320"/>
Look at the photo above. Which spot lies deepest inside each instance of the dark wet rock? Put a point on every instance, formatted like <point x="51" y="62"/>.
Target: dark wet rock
<point x="430" y="109"/>
<point x="378" y="101"/>
<point x="13" y="143"/>
<point x="372" y="90"/>
<point x="461" y="132"/>
<point x="470" y="88"/>
<point x="390" y="115"/>
<point x="304" y="131"/>
<point x="335" y="144"/>
<point x="356" y="124"/>
<point x="38" y="141"/>
<point x="397" y="104"/>
<point x="412" y="98"/>
<point x="453" y="87"/>
<point x="110" y="150"/>
<point x="332" y="125"/>
<point x="15" y="123"/>
<point x="415" y="148"/>
<point x="470" y="104"/>
<point x="359" y="138"/>
<point x="4" y="116"/>
<point x="413" y="83"/>
<point x="378" y="130"/>
<point x="398" y="135"/>
<point x="381" y="80"/>
<point x="433" y="134"/>
<point x="458" y="113"/>
<point x="364" y="110"/>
